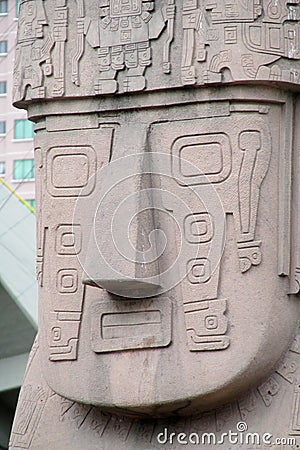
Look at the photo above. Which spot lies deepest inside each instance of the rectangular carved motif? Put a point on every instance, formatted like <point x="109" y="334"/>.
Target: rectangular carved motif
<point x="130" y="325"/>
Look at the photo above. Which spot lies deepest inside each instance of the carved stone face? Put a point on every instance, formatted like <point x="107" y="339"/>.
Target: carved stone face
<point x="159" y="265"/>
<point x="165" y="227"/>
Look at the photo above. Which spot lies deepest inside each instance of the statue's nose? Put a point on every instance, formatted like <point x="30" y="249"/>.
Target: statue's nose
<point x="135" y="275"/>
<point x="125" y="244"/>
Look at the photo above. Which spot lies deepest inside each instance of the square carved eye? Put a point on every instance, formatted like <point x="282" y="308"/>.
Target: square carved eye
<point x="68" y="239"/>
<point x="67" y="281"/>
<point x="70" y="171"/>
<point x="199" y="270"/>
<point x="201" y="159"/>
<point x="198" y="228"/>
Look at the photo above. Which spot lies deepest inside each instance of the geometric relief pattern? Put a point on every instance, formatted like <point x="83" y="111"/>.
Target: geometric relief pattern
<point x="249" y="254"/>
<point x="64" y="322"/>
<point x="122" y="36"/>
<point x="131" y="325"/>
<point x="206" y="326"/>
<point x="67" y="281"/>
<point x="30" y="410"/>
<point x="205" y="159"/>
<point x="63" y="335"/>
<point x="95" y="421"/>
<point x="269" y="389"/>
<point x="295" y="426"/>
<point x="70" y="171"/>
<point x="246" y="43"/>
<point x="198" y="228"/>
<point x="40" y="50"/>
<point x="199" y="270"/>
<point x="255" y="150"/>
<point x="201" y="159"/>
<point x="68" y="239"/>
<point x="64" y="319"/>
<point x="235" y="162"/>
<point x="249" y="42"/>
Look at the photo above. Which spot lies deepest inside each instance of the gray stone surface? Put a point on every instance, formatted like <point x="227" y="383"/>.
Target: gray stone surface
<point x="168" y="252"/>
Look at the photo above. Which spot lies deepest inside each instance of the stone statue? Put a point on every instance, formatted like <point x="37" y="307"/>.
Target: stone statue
<point x="168" y="213"/>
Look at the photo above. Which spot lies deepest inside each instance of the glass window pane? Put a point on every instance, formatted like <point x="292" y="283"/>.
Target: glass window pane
<point x="2" y="127"/>
<point x="17" y="8"/>
<point x="28" y="169"/>
<point x="3" y="87"/>
<point x="17" y="170"/>
<point x="23" y="169"/>
<point x="28" y="129"/>
<point x="3" y="6"/>
<point x="3" y="47"/>
<point x="2" y="168"/>
<point x="23" y="129"/>
<point x="31" y="203"/>
<point x="18" y="133"/>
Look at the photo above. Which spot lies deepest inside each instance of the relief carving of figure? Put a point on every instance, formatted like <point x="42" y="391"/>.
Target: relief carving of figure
<point x="123" y="35"/>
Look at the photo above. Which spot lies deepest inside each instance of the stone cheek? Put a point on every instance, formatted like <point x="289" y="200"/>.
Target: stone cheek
<point x="88" y="48"/>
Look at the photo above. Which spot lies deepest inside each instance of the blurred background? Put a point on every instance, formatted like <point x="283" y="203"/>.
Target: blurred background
<point x="18" y="287"/>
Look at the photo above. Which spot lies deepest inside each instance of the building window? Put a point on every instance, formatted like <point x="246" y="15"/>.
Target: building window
<point x="24" y="169"/>
<point x="3" y="6"/>
<point x="2" y="168"/>
<point x="2" y="127"/>
<point x="3" y="47"/>
<point x="23" y="129"/>
<point x="3" y="87"/>
<point x="17" y="8"/>
<point x="31" y="203"/>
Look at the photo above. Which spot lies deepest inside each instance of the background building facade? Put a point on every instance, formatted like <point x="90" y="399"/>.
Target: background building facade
<point x="16" y="132"/>
<point x="18" y="288"/>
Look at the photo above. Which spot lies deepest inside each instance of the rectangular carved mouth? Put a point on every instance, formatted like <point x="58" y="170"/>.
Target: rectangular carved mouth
<point x="128" y="325"/>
